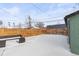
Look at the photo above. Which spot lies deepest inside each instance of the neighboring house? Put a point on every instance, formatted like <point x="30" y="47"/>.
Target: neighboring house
<point x="56" y="26"/>
<point x="57" y="29"/>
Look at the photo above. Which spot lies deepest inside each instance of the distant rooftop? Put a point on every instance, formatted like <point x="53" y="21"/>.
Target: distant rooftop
<point x="57" y="26"/>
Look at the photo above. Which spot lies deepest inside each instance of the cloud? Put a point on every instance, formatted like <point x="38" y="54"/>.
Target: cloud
<point x="10" y="15"/>
<point x="53" y="14"/>
<point x="58" y="12"/>
<point x="12" y="11"/>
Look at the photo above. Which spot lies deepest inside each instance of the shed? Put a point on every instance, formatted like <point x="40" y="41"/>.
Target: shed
<point x="72" y="23"/>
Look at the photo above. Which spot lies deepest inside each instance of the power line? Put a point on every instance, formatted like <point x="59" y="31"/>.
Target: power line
<point x="39" y="9"/>
<point x="55" y="18"/>
<point x="7" y="12"/>
<point x="46" y="21"/>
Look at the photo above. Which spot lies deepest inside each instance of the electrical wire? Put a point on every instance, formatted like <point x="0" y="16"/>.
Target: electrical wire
<point x="39" y="9"/>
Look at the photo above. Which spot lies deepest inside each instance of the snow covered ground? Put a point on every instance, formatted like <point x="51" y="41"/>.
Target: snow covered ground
<point x="41" y="45"/>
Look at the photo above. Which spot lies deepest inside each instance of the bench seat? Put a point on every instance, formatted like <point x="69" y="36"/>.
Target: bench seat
<point x="3" y="39"/>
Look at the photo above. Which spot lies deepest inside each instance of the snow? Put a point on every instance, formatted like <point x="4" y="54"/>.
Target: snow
<point x="41" y="45"/>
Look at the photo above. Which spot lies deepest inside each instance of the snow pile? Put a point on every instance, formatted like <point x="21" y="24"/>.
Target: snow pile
<point x="41" y="45"/>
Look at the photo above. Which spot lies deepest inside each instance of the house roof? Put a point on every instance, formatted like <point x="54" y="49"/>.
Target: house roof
<point x="57" y="26"/>
<point x="70" y="15"/>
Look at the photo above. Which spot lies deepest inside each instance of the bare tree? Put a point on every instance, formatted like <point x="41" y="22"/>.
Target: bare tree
<point x="28" y="22"/>
<point x="29" y="18"/>
<point x="19" y="25"/>
<point x="13" y="24"/>
<point x="9" y="24"/>
<point x="76" y="5"/>
<point x="39" y="24"/>
<point x="1" y="23"/>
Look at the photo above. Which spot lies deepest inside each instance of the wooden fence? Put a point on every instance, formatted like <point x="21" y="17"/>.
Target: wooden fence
<point x="32" y="31"/>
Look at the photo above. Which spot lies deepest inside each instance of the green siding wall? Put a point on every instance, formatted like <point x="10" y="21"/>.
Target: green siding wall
<point x="74" y="34"/>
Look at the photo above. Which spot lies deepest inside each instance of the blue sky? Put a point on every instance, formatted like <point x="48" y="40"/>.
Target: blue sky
<point x="18" y="12"/>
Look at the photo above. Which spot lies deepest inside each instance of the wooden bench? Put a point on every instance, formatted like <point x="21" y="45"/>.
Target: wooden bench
<point x="3" y="39"/>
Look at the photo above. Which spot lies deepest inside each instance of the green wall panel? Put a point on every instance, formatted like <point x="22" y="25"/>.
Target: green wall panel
<point x="74" y="33"/>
